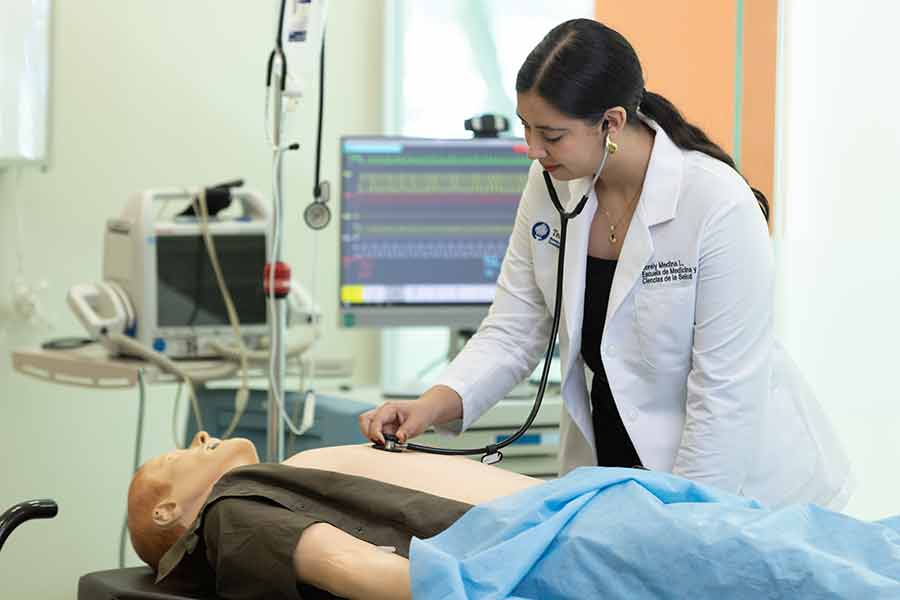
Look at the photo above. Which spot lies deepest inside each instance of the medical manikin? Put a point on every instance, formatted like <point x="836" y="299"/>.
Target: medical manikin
<point x="168" y="492"/>
<point x="344" y="518"/>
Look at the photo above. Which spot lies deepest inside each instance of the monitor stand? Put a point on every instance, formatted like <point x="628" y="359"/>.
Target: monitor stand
<point x="415" y="387"/>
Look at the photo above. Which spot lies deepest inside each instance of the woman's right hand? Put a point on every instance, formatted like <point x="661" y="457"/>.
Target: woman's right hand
<point x="408" y="418"/>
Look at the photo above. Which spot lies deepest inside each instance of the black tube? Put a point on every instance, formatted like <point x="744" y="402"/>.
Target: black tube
<point x="317" y="189"/>
<point x="280" y="26"/>
<point x="493" y="449"/>
<point x="554" y="330"/>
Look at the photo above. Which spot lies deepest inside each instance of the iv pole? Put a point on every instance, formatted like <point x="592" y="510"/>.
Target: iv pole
<point x="275" y="83"/>
<point x="277" y="275"/>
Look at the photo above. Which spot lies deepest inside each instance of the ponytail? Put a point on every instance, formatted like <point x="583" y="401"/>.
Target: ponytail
<point x="583" y="68"/>
<point x="690" y="137"/>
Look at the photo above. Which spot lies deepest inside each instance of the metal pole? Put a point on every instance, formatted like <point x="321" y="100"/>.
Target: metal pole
<point x="276" y="397"/>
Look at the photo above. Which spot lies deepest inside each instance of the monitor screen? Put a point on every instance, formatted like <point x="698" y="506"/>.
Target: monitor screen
<point x="424" y="227"/>
<point x="188" y="293"/>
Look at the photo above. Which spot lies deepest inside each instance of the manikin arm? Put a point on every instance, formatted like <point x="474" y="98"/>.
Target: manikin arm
<point x="337" y="562"/>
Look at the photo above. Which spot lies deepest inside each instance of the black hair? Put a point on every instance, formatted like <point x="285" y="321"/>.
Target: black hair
<point x="583" y="68"/>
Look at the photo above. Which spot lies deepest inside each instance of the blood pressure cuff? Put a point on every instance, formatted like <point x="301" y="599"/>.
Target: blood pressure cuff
<point x="243" y="541"/>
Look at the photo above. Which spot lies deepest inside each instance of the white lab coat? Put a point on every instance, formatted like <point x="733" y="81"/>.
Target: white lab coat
<point x="702" y="386"/>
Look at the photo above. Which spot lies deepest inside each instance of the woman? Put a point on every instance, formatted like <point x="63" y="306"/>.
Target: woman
<point x="668" y="356"/>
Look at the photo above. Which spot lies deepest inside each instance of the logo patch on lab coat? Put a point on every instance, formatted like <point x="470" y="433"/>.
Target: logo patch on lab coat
<point x="667" y="273"/>
<point x="540" y="231"/>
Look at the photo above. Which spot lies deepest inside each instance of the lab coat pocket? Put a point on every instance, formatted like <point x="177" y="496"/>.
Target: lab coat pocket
<point x="664" y="319"/>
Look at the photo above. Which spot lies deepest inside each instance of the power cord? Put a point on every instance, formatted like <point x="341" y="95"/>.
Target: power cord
<point x="167" y="365"/>
<point x="243" y="393"/>
<point x="175" y="414"/>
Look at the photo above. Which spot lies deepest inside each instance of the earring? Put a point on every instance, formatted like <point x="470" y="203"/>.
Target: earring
<point x="611" y="146"/>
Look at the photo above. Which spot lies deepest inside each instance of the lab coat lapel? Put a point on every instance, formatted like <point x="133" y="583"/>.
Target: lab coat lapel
<point x="658" y="203"/>
<point x="577" y="235"/>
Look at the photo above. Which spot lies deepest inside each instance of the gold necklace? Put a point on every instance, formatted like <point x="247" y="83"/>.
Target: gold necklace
<point x="612" y="226"/>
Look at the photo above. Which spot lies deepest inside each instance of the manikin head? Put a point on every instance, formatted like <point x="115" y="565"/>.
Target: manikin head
<point x="167" y="492"/>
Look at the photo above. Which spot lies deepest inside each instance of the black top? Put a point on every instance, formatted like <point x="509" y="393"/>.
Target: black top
<point x="614" y="447"/>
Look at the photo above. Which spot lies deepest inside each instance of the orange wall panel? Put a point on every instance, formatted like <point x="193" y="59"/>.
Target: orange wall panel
<point x="758" y="124"/>
<point x="686" y="48"/>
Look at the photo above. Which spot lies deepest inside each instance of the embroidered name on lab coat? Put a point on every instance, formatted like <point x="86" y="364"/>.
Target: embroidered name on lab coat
<point x="667" y="272"/>
<point x="554" y="239"/>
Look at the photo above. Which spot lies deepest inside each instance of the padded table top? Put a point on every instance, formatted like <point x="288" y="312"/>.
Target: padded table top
<point x="137" y="583"/>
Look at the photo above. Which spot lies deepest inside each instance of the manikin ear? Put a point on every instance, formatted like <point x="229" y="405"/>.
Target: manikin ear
<point x="166" y="514"/>
<point x="613" y="121"/>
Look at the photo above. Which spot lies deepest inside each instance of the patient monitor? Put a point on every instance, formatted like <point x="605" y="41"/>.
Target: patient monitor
<point x="159" y="286"/>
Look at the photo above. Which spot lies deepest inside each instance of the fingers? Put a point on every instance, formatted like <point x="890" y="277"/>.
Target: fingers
<point x="405" y="419"/>
<point x="364" y="420"/>
<point x="375" y="423"/>
<point x="411" y="425"/>
<point x="365" y="424"/>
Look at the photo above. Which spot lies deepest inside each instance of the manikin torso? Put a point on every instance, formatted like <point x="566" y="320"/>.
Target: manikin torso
<point x="457" y="478"/>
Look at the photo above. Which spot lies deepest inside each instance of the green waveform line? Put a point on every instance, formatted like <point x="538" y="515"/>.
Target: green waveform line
<point x="420" y="230"/>
<point x="430" y="160"/>
<point x="447" y="183"/>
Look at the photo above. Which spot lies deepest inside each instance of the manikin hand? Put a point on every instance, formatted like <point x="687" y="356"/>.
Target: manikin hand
<point x="408" y="418"/>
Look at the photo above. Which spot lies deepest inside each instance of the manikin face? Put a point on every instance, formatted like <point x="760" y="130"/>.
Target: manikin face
<point x="193" y="471"/>
<point x="566" y="147"/>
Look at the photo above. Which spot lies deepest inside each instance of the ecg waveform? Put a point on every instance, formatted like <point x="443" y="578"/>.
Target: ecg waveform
<point x="435" y="182"/>
<point x="419" y="230"/>
<point x="427" y="221"/>
<point x="445" y="250"/>
<point x="450" y="160"/>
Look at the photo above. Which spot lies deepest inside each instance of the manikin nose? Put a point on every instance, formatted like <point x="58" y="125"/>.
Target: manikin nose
<point x="199" y="439"/>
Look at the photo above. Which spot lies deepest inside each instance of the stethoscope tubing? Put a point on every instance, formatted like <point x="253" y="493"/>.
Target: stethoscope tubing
<point x="491" y="452"/>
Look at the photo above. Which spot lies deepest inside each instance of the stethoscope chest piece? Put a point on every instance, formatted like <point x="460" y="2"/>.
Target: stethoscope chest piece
<point x="317" y="215"/>
<point x="491" y="459"/>
<point x="391" y="444"/>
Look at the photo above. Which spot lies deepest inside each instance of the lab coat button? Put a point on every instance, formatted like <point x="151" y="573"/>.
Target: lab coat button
<point x="611" y="350"/>
<point x="633" y="414"/>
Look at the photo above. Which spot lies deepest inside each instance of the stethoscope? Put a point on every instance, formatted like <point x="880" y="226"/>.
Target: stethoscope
<point x="491" y="452"/>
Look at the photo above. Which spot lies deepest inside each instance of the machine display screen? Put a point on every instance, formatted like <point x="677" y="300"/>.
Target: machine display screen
<point x="427" y="222"/>
<point x="188" y="293"/>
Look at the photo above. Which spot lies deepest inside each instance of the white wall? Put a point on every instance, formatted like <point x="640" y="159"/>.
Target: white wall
<point x="147" y="94"/>
<point x="838" y="208"/>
